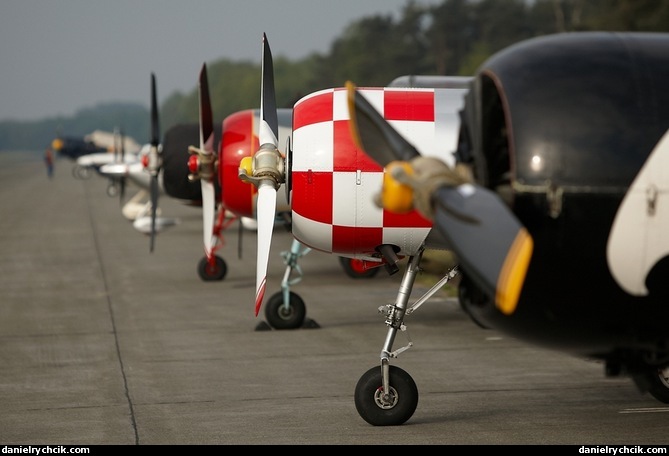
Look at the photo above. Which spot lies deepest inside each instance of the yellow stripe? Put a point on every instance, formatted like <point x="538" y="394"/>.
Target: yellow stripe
<point x="512" y="276"/>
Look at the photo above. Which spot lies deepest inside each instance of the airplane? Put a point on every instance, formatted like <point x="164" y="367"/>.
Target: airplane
<point x="551" y="197"/>
<point x="185" y="178"/>
<point x="74" y="147"/>
<point x="119" y="149"/>
<point x="238" y="139"/>
<point x="138" y="209"/>
<point x="169" y="176"/>
<point x="202" y="165"/>
<point x="94" y="150"/>
<point x="143" y="208"/>
<point x="238" y="135"/>
<point x="340" y="218"/>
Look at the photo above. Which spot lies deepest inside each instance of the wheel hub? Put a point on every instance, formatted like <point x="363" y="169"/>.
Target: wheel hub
<point x="386" y="401"/>
<point x="285" y="312"/>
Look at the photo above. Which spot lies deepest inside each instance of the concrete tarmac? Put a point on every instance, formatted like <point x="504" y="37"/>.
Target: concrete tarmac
<point x="103" y="342"/>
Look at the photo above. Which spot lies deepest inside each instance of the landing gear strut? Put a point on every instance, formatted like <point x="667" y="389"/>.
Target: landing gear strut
<point x="285" y="309"/>
<point x="387" y="395"/>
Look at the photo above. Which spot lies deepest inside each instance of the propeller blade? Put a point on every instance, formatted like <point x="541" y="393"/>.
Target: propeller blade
<point x="122" y="137"/>
<point x="122" y="190"/>
<point x="155" y="159"/>
<point x="154" y="207"/>
<point x="265" y="170"/>
<point x="208" y="213"/>
<point x="116" y="145"/>
<point x="496" y="251"/>
<point x="155" y="125"/>
<point x="378" y="138"/>
<point x="492" y="245"/>
<point x="268" y="133"/>
<point x="266" y="207"/>
<point x="123" y="179"/>
<point x="206" y="114"/>
<point x="269" y="123"/>
<point x="207" y="148"/>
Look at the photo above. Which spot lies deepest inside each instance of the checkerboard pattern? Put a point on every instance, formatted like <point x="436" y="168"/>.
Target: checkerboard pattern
<point x="327" y="163"/>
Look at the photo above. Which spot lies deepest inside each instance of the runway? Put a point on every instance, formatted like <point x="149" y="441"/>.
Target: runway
<point x="104" y="342"/>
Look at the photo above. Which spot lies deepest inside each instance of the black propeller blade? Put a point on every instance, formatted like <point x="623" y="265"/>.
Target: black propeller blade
<point x="268" y="109"/>
<point x="493" y="247"/>
<point x="122" y="181"/>
<point x="204" y="159"/>
<point x="154" y="158"/>
<point x="378" y="138"/>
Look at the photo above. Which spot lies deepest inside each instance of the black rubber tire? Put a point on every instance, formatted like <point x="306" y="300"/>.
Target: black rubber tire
<point x="657" y="382"/>
<point x="81" y="172"/>
<point x="280" y="317"/>
<point x="112" y="189"/>
<point x="404" y="395"/>
<point x="353" y="268"/>
<point x="209" y="273"/>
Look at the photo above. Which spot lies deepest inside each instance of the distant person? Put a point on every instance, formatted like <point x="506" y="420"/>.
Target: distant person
<point x="48" y="160"/>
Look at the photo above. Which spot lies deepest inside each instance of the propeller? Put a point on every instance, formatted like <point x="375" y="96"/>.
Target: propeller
<point x="265" y="170"/>
<point x="202" y="163"/>
<point x="493" y="247"/>
<point x="154" y="159"/>
<point x="122" y="180"/>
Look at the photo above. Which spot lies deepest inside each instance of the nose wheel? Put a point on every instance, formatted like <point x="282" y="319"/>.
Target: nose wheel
<point x="81" y="172"/>
<point x="656" y="382"/>
<point x="282" y="316"/>
<point x="112" y="188"/>
<point x="214" y="270"/>
<point x="392" y="407"/>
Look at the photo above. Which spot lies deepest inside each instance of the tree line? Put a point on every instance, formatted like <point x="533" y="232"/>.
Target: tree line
<point x="451" y="38"/>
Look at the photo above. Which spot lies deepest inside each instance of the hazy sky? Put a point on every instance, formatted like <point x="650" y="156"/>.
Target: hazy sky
<point x="58" y="56"/>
